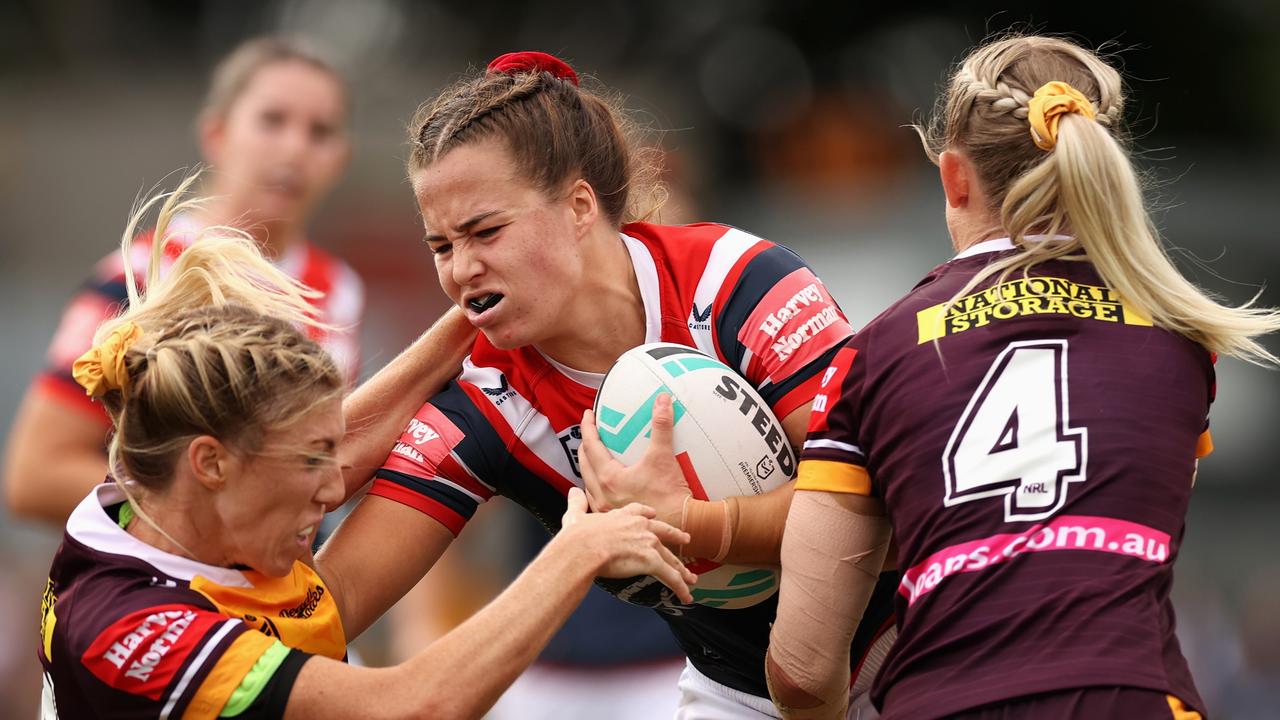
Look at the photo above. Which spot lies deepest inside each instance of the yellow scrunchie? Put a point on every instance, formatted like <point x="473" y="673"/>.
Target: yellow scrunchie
<point x="102" y="368"/>
<point x="1052" y="100"/>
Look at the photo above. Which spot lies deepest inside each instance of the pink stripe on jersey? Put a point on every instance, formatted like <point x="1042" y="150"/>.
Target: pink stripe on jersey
<point x="1068" y="532"/>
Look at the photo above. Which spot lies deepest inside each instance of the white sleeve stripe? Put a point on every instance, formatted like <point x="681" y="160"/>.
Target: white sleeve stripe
<point x="833" y="445"/>
<point x="195" y="666"/>
<point x="458" y="458"/>
<point x="724" y="255"/>
<point x="446" y="481"/>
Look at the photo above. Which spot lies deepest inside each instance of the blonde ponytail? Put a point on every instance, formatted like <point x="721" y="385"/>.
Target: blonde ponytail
<point x="214" y="347"/>
<point x="1085" y="187"/>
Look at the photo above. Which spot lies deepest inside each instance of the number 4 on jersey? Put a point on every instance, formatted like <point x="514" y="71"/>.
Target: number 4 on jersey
<point x="1015" y="438"/>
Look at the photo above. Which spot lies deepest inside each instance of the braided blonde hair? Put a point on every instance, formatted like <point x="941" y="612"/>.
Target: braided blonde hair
<point x="1086" y="187"/>
<point x="220" y="353"/>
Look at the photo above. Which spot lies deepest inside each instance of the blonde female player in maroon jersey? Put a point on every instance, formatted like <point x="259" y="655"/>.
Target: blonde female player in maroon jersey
<point x="1028" y="421"/>
<point x="186" y="587"/>
<point x="274" y="130"/>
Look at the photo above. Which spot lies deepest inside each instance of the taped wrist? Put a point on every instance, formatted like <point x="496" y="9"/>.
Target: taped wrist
<point x="710" y="529"/>
<point x="736" y="529"/>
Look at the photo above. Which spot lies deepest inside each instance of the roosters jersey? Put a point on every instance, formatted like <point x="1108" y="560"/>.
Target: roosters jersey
<point x="129" y="631"/>
<point x="510" y="424"/>
<point x="104" y="295"/>
<point x="1034" y="443"/>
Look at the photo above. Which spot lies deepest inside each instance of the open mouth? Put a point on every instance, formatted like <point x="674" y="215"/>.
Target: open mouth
<point x="481" y="303"/>
<point x="304" y="535"/>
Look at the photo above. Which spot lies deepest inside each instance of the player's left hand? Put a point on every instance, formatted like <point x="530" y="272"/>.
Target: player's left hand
<point x="655" y="481"/>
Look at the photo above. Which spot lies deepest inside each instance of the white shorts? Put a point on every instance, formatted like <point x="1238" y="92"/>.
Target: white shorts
<point x="702" y="698"/>
<point x="631" y="692"/>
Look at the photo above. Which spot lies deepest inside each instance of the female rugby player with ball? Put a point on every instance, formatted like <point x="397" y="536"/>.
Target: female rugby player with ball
<point x="1028" y="420"/>
<point x="526" y="181"/>
<point x="186" y="589"/>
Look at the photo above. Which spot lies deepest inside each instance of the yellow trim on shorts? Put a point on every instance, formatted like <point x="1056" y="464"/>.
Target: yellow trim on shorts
<point x="833" y="476"/>
<point x="1181" y="711"/>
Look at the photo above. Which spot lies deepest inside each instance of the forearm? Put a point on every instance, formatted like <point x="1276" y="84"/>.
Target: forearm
<point x="462" y="674"/>
<point x="48" y="489"/>
<point x="832" y="554"/>
<point x="53" y="459"/>
<point x="506" y="636"/>
<point x="378" y="410"/>
<point x="742" y="530"/>
<point x="377" y="555"/>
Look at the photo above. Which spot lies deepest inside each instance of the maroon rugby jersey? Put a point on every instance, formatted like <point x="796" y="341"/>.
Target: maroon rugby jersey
<point x="129" y="631"/>
<point x="1035" y="446"/>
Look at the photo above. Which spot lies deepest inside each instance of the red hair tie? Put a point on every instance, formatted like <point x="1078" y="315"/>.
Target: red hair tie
<point x="533" y="61"/>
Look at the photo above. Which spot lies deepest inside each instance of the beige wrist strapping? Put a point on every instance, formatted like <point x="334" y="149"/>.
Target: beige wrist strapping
<point x="742" y="530"/>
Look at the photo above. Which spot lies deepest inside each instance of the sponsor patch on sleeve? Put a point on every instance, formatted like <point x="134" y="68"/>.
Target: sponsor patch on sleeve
<point x="424" y="444"/>
<point x="830" y="388"/>
<point x="795" y="322"/>
<point x="141" y="652"/>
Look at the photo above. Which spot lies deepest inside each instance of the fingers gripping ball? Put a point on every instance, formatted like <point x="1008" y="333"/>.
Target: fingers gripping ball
<point x="726" y="440"/>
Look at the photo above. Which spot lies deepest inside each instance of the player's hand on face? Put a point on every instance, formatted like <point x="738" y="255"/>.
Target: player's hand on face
<point x="655" y="481"/>
<point x="627" y="542"/>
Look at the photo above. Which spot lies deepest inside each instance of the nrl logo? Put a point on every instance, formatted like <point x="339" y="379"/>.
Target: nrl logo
<point x="570" y="440"/>
<point x="765" y="467"/>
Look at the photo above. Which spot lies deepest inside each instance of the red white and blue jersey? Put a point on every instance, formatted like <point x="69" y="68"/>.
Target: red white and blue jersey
<point x="104" y="296"/>
<point x="510" y="424"/>
<point x="1034" y="442"/>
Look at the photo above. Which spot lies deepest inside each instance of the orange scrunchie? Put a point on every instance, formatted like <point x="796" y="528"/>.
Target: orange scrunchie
<point x="102" y="368"/>
<point x="1052" y="100"/>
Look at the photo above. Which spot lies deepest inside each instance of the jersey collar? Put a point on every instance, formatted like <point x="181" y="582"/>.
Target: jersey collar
<point x="91" y="526"/>
<point x="999" y="244"/>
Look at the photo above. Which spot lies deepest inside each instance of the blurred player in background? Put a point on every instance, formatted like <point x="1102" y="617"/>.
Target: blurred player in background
<point x="274" y="130"/>
<point x="1028" y="421"/>
<point x="185" y="588"/>
<point x="525" y="180"/>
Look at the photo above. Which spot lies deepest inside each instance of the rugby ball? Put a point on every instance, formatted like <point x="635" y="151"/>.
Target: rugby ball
<point x="725" y="437"/>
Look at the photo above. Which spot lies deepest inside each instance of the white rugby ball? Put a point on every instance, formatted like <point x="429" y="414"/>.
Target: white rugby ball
<point x="726" y="439"/>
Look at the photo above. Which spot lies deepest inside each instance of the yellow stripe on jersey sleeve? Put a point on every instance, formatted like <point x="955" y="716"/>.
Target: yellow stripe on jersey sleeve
<point x="833" y="476"/>
<point x="230" y="670"/>
<point x="1204" y="445"/>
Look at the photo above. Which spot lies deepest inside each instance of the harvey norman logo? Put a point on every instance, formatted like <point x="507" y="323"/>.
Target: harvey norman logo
<point x="787" y="343"/>
<point x="1023" y="297"/>
<point x="421" y="432"/>
<point x="169" y="625"/>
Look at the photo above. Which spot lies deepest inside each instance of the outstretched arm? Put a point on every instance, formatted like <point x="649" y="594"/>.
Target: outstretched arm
<point x="378" y="410"/>
<point x="462" y="674"/>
